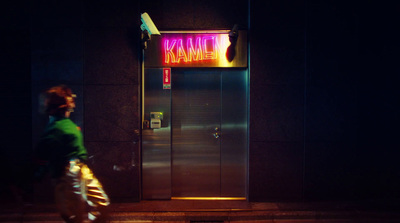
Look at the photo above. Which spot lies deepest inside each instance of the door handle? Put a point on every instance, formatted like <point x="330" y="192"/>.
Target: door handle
<point x="216" y="134"/>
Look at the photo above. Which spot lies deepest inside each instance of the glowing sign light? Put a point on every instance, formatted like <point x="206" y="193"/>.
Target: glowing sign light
<point x="209" y="48"/>
<point x="195" y="48"/>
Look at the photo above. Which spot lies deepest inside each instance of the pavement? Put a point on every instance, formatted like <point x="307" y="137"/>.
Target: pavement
<point x="195" y="211"/>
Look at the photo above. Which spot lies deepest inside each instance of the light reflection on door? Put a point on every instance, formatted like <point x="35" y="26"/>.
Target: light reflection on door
<point x="208" y="133"/>
<point x="196" y="105"/>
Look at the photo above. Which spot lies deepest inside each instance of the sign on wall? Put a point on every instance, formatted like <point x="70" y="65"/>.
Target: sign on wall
<point x="166" y="78"/>
<point x="196" y="49"/>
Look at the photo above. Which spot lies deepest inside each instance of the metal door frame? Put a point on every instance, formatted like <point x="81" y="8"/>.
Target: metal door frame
<point x="241" y="61"/>
<point x="165" y="184"/>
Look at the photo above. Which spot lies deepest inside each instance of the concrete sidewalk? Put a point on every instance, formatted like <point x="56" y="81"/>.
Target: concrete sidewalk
<point x="224" y="211"/>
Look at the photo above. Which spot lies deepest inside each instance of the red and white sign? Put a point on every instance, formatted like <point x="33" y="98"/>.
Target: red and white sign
<point x="166" y="78"/>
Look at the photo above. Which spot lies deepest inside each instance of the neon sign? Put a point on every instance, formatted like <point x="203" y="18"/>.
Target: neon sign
<point x="200" y="48"/>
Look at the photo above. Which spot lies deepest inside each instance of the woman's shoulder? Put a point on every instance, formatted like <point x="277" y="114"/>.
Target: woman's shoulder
<point x="65" y="125"/>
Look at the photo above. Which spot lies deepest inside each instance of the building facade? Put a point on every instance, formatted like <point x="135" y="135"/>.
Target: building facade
<point x="300" y="97"/>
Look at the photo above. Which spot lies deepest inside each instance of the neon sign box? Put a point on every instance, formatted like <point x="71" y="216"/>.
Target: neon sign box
<point x="191" y="50"/>
<point x="195" y="49"/>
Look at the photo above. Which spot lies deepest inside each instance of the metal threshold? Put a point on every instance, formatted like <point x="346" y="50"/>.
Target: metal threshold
<point x="210" y="198"/>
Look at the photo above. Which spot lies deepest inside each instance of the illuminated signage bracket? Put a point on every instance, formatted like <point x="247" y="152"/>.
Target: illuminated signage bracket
<point x="196" y="49"/>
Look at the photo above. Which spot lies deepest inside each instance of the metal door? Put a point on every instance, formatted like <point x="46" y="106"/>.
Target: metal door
<point x="156" y="143"/>
<point x="196" y="123"/>
<point x="209" y="133"/>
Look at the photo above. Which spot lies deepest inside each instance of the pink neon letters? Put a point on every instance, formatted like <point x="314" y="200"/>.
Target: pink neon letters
<point x="191" y="49"/>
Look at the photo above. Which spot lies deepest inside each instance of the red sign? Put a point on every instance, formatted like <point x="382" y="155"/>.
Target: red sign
<point x="166" y="78"/>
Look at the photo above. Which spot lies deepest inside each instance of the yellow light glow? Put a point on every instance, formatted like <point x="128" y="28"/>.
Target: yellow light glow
<point x="210" y="198"/>
<point x="223" y="46"/>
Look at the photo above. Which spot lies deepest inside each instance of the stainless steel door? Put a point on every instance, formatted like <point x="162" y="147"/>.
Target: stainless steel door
<point x="209" y="133"/>
<point x="156" y="143"/>
<point x="201" y="148"/>
<point x="234" y="131"/>
<point x="196" y="121"/>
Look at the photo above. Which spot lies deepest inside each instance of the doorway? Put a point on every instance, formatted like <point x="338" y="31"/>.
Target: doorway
<point x="208" y="133"/>
<point x="208" y="136"/>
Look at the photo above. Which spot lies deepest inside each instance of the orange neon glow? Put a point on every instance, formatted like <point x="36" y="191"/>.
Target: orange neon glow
<point x="209" y="49"/>
<point x="210" y="198"/>
<point x="168" y="51"/>
<point x="204" y="48"/>
<point x="181" y="52"/>
<point x="194" y="52"/>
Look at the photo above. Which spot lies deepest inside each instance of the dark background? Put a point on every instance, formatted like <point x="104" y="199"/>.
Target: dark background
<point x="324" y="101"/>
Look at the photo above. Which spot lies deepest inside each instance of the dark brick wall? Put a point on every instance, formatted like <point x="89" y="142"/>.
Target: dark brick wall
<point x="332" y="80"/>
<point x="277" y="86"/>
<point x="93" y="48"/>
<point x="111" y="87"/>
<point x="15" y="91"/>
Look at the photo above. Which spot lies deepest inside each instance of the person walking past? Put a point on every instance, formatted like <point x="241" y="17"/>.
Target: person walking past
<point x="79" y="195"/>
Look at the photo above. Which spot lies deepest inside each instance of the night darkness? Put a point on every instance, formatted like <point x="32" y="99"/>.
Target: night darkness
<point x="323" y="75"/>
